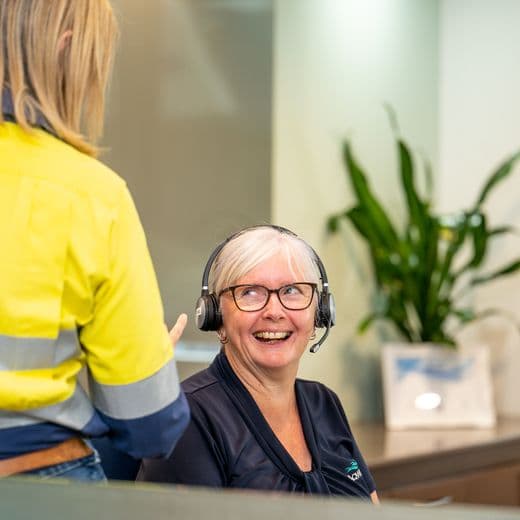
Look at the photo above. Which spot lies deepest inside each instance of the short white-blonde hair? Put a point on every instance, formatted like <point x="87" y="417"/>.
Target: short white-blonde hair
<point x="63" y="79"/>
<point x="253" y="246"/>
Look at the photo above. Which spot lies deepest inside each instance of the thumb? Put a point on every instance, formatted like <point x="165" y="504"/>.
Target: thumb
<point x="177" y="330"/>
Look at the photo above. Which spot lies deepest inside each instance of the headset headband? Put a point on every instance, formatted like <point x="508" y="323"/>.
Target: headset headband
<point x="280" y="229"/>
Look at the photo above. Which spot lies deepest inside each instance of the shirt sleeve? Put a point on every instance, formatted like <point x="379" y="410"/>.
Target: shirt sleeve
<point x="195" y="461"/>
<point x="133" y="377"/>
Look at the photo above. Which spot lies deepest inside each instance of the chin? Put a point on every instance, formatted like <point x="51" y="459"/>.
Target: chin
<point x="277" y="359"/>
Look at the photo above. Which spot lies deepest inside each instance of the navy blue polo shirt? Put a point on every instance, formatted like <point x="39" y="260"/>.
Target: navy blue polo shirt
<point x="229" y="443"/>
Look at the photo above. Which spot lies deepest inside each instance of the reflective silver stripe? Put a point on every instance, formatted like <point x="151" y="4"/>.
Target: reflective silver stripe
<point x="137" y="399"/>
<point x="12" y="420"/>
<point x="18" y="353"/>
<point x="74" y="413"/>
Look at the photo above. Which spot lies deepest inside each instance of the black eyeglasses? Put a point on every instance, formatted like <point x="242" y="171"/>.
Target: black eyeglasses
<point x="251" y="298"/>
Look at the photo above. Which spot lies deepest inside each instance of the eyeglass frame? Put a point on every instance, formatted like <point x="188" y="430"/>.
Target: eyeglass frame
<point x="232" y="288"/>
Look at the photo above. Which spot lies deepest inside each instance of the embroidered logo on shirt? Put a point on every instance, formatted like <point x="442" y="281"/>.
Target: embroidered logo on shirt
<point x="353" y="472"/>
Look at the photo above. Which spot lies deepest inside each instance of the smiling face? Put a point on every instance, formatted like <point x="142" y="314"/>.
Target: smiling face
<point x="273" y="338"/>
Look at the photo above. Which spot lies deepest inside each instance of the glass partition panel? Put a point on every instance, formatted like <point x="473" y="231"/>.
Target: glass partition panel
<point x="189" y="128"/>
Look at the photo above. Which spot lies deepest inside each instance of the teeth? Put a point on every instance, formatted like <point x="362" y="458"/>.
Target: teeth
<point x="272" y="335"/>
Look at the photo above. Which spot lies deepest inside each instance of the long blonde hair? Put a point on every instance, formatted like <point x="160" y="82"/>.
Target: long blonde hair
<point x="56" y="60"/>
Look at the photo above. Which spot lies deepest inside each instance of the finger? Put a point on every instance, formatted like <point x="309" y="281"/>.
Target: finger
<point x="178" y="328"/>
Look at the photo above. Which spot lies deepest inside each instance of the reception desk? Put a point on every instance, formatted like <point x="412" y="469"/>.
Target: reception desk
<point x="475" y="466"/>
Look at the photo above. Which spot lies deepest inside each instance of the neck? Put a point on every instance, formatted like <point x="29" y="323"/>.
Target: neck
<point x="275" y="395"/>
<point x="264" y="384"/>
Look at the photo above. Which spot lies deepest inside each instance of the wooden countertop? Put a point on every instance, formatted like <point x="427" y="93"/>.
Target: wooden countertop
<point x="404" y="457"/>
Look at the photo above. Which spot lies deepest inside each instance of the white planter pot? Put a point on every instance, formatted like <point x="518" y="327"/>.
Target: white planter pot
<point x="430" y="386"/>
<point x="506" y="377"/>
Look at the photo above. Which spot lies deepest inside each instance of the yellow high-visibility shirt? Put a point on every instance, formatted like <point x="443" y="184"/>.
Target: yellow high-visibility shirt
<point x="77" y="288"/>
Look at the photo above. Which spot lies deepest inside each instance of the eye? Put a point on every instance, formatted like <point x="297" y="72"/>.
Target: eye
<point x="248" y="291"/>
<point x="291" y="290"/>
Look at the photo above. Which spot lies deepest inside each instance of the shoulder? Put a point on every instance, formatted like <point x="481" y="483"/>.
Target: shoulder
<point x="211" y="405"/>
<point x="43" y="157"/>
<point x="321" y="399"/>
<point x="86" y="175"/>
<point x="316" y="391"/>
<point x="206" y="396"/>
<point x="200" y="383"/>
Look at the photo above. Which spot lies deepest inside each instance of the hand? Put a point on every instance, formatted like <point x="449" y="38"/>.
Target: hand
<point x="178" y="328"/>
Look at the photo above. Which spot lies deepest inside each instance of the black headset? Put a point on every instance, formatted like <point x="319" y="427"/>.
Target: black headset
<point x="207" y="311"/>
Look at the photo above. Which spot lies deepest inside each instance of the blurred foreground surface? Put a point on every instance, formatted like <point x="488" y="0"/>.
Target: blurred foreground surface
<point x="27" y="499"/>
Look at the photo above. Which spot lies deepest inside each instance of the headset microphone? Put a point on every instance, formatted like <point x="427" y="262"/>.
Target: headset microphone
<point x="314" y="348"/>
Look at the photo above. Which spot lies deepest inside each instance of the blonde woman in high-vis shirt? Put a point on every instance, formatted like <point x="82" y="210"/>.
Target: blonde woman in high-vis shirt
<point x="77" y="286"/>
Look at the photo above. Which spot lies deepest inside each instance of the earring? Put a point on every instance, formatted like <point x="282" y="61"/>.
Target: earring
<point x="313" y="335"/>
<point x="222" y="337"/>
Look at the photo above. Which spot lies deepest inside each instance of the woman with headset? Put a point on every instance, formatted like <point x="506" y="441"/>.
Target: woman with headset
<point x="77" y="287"/>
<point x="254" y="424"/>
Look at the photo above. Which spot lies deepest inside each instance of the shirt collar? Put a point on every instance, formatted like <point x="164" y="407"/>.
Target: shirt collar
<point x="8" y="112"/>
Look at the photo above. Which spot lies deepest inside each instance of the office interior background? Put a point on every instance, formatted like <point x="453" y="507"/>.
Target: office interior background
<point x="227" y="113"/>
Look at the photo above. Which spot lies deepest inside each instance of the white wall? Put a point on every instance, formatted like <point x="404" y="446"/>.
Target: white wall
<point x="479" y="115"/>
<point x="335" y="63"/>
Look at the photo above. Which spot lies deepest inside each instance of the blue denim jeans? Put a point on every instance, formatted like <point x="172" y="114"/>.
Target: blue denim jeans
<point x="85" y="469"/>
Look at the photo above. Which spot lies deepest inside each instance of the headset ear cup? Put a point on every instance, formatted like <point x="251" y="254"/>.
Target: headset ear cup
<point x="216" y="322"/>
<point x="331" y="306"/>
<point x="201" y="312"/>
<point x="207" y="313"/>
<point x="326" y="311"/>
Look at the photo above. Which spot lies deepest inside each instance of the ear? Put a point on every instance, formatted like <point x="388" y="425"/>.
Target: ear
<point x="64" y="40"/>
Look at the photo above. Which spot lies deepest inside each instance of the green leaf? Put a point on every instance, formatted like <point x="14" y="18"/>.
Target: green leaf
<point x="508" y="269"/>
<point x="366" y="322"/>
<point x="416" y="209"/>
<point x="431" y="266"/>
<point x="479" y="236"/>
<point x="419" y="227"/>
<point x="455" y="235"/>
<point x="373" y="210"/>
<point x="363" y="225"/>
<point x="428" y="174"/>
<point x="500" y="174"/>
<point x="382" y="266"/>
<point x="392" y="118"/>
<point x="502" y="230"/>
<point x="333" y="223"/>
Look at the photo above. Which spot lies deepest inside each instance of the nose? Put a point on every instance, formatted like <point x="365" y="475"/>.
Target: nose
<point x="273" y="309"/>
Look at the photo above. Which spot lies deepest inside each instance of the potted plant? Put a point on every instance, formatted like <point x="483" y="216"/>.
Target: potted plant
<point x="416" y="270"/>
<point x="423" y="269"/>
